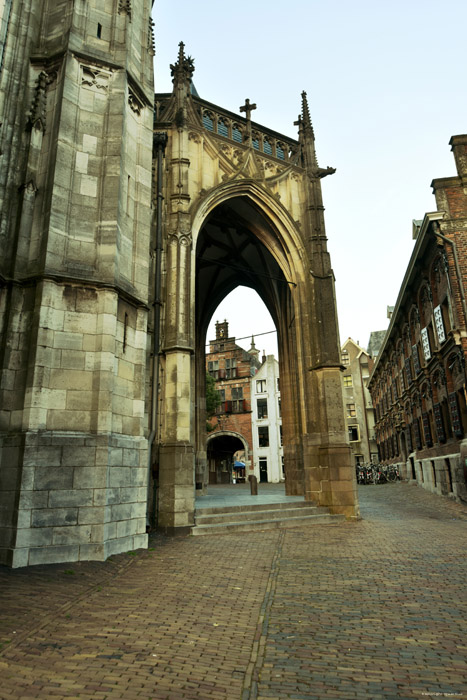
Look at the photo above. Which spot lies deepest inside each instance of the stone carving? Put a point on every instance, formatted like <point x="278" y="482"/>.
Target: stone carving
<point x="134" y="102"/>
<point x="37" y="113"/>
<point x="125" y="6"/>
<point x="151" y="40"/>
<point x="195" y="137"/>
<point x="182" y="238"/>
<point x="95" y="78"/>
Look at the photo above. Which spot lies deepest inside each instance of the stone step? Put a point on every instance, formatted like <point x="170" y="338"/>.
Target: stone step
<point x="266" y="512"/>
<point x="253" y="507"/>
<point x="275" y="520"/>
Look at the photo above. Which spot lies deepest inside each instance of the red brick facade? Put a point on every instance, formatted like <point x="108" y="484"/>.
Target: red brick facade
<point x="232" y="367"/>
<point x="418" y="385"/>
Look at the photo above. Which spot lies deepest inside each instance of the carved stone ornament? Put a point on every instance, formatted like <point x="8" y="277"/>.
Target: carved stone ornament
<point x="182" y="238"/>
<point x="184" y="68"/>
<point x="37" y="112"/>
<point x="134" y="102"/>
<point x="95" y="78"/>
<point x="194" y="136"/>
<point x="125" y="6"/>
<point x="151" y="39"/>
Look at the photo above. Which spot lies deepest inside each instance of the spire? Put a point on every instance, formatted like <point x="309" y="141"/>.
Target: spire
<point x="182" y="71"/>
<point x="306" y="138"/>
<point x="306" y="119"/>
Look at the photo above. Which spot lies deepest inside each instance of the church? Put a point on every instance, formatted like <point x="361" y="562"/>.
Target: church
<point x="125" y="219"/>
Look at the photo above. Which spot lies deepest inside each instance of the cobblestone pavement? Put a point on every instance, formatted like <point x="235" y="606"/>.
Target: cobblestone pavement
<point x="366" y="610"/>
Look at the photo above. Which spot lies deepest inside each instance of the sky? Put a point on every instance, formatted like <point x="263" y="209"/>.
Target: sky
<point x="386" y="89"/>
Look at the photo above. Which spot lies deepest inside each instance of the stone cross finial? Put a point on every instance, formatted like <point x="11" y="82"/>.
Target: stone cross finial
<point x="248" y="108"/>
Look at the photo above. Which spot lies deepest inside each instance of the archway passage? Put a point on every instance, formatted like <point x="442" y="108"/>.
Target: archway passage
<point x="243" y="205"/>
<point x="238" y="246"/>
<point x="221" y="451"/>
<point x="234" y="248"/>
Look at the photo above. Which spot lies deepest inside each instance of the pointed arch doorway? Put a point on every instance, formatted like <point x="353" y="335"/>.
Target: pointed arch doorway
<point x="238" y="246"/>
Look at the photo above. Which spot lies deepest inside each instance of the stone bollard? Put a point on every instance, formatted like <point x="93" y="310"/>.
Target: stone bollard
<point x="253" y="485"/>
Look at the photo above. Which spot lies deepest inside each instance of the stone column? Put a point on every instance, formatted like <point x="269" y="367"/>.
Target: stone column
<point x="176" y="461"/>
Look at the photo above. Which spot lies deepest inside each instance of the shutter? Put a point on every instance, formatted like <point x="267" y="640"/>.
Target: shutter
<point x="416" y="361"/>
<point x="455" y="415"/>
<point x="408" y="370"/>
<point x="427" y="429"/>
<point x="408" y="434"/>
<point x="439" y="324"/>
<point x="418" y="437"/>
<point x="426" y="344"/>
<point x="439" y="423"/>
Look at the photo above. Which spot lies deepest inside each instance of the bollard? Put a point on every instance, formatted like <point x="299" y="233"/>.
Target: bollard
<point x="253" y="485"/>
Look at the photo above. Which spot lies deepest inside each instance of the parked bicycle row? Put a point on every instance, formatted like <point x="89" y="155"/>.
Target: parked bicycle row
<point x="376" y="473"/>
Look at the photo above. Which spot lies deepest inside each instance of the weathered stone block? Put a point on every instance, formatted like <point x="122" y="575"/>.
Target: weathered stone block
<point x="71" y="535"/>
<point x="66" y="498"/>
<point x="54" y="555"/>
<point x="48" y="478"/>
<point x="91" y="552"/>
<point x="34" y="537"/>
<point x="121" y="511"/>
<point x="91" y="516"/>
<point x="78" y="456"/>
<point x="54" y="517"/>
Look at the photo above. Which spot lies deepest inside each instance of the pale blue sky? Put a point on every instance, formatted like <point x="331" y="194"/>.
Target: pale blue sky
<point x="386" y="85"/>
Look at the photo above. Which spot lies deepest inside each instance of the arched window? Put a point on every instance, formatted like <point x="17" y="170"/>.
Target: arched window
<point x="222" y="127"/>
<point x="237" y="133"/>
<point x="208" y="121"/>
<point x="267" y="147"/>
<point x="280" y="152"/>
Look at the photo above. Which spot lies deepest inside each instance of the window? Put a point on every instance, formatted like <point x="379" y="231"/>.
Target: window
<point x="208" y="121"/>
<point x="280" y="435"/>
<point x="351" y="412"/>
<point x="267" y="148"/>
<point x="237" y="134"/>
<point x="260" y="386"/>
<point x="222" y="128"/>
<point x="354" y="433"/>
<point x="231" y="368"/>
<point x="348" y="380"/>
<point x="262" y="405"/>
<point x="263" y="436"/>
<point x="278" y="384"/>
<point x="279" y="407"/>
<point x="213" y="368"/>
<point x="345" y="359"/>
<point x="237" y="399"/>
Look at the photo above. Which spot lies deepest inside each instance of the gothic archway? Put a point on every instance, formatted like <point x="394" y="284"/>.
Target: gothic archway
<point x="244" y="208"/>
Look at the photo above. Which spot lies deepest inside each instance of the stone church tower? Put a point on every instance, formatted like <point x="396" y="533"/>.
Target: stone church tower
<point x="76" y="115"/>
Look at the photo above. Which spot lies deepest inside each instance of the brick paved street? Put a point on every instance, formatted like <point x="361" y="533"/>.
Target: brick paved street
<point x="367" y="610"/>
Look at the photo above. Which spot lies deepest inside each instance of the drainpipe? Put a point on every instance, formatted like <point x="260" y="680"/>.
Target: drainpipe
<point x="159" y="144"/>
<point x="438" y="234"/>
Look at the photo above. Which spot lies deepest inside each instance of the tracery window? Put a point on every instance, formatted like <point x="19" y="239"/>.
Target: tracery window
<point x="208" y="121"/>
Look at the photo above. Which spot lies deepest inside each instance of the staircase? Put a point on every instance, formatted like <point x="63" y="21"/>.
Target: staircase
<point x="264" y="516"/>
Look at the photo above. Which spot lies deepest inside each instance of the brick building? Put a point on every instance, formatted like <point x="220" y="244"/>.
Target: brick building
<point x="232" y="367"/>
<point x="418" y="384"/>
<point x="359" y="411"/>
